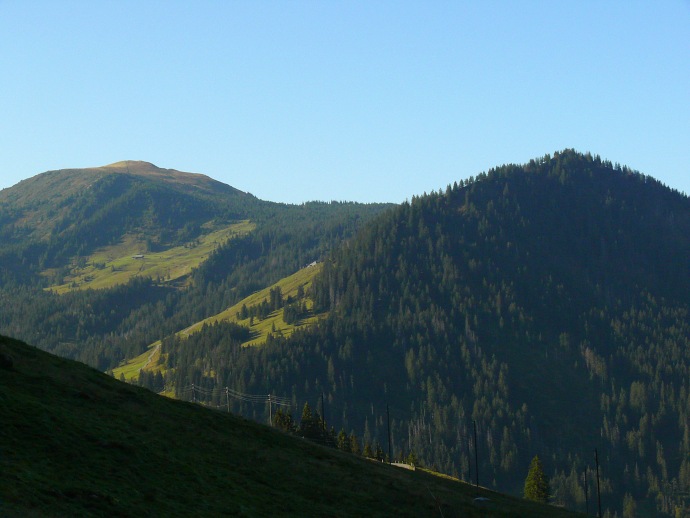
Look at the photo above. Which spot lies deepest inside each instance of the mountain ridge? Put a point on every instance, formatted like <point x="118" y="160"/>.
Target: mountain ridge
<point x="143" y="168"/>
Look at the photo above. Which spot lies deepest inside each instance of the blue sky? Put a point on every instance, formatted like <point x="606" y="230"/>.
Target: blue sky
<point x="333" y="100"/>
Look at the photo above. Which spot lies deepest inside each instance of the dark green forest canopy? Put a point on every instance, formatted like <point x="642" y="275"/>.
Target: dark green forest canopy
<point x="546" y="302"/>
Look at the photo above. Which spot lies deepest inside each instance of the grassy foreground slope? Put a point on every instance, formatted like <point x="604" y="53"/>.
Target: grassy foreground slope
<point x="76" y="442"/>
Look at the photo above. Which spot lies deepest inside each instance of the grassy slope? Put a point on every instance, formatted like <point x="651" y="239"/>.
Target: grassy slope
<point x="115" y="265"/>
<point x="260" y="328"/>
<point x="76" y="442"/>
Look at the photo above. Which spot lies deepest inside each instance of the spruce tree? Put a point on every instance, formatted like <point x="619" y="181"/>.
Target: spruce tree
<point x="342" y="441"/>
<point x="311" y="426"/>
<point x="354" y="444"/>
<point x="307" y="422"/>
<point x="367" y="450"/>
<point x="283" y="421"/>
<point x="536" y="483"/>
<point x="412" y="459"/>
<point x="378" y="452"/>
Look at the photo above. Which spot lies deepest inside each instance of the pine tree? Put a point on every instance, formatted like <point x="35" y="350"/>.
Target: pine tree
<point x="629" y="506"/>
<point x="307" y="421"/>
<point x="536" y="483"/>
<point x="367" y="450"/>
<point x="342" y="441"/>
<point x="354" y="444"/>
<point x="378" y="452"/>
<point x="311" y="425"/>
<point x="283" y="421"/>
<point x="412" y="459"/>
<point x="158" y="382"/>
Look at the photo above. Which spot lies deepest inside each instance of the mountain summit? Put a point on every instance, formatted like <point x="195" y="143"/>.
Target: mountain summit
<point x="59" y="215"/>
<point x="54" y="187"/>
<point x="147" y="169"/>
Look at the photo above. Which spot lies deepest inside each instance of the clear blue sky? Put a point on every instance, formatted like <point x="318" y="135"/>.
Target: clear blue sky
<point x="343" y="100"/>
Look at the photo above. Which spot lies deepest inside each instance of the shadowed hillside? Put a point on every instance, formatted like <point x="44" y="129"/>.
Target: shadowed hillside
<point x="75" y="442"/>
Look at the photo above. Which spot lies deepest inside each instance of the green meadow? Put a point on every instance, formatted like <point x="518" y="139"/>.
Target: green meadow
<point x="260" y="329"/>
<point x="117" y="264"/>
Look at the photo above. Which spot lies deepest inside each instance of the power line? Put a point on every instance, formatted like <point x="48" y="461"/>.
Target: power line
<point x="195" y="390"/>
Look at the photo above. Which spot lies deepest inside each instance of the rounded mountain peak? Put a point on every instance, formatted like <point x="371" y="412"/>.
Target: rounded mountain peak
<point x="133" y="166"/>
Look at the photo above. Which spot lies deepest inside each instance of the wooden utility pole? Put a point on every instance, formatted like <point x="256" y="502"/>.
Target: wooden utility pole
<point x="469" y="460"/>
<point x="270" y="410"/>
<point x="388" y="415"/>
<point x="227" y="398"/>
<point x="323" y="416"/>
<point x="586" y="494"/>
<point x="596" y="460"/>
<point x="476" y="456"/>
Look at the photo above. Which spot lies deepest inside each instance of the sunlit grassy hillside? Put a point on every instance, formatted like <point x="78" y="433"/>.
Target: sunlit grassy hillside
<point x="260" y="328"/>
<point x="117" y="264"/>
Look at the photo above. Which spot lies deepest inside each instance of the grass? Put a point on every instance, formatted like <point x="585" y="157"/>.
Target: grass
<point x="260" y="329"/>
<point x="113" y="265"/>
<point x="147" y="360"/>
<point x="75" y="442"/>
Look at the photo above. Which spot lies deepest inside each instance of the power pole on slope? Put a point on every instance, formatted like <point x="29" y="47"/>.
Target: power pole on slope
<point x="323" y="416"/>
<point x="270" y="411"/>
<point x="476" y="456"/>
<point x="388" y="416"/>
<point x="586" y="493"/>
<point x="596" y="460"/>
<point x="469" y="459"/>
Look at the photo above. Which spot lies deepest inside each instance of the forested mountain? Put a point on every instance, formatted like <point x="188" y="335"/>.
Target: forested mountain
<point x="546" y="303"/>
<point x="49" y="219"/>
<point x="62" y="227"/>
